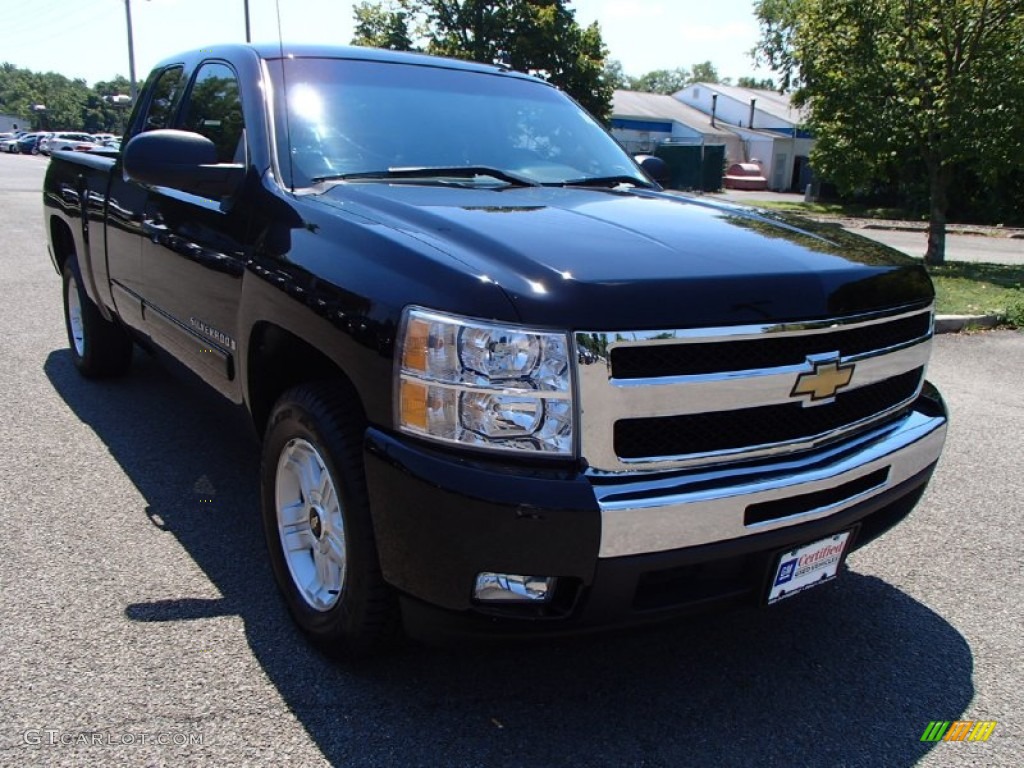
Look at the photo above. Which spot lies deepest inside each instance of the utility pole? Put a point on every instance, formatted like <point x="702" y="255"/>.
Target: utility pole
<point x="248" y="35"/>
<point x="131" y="48"/>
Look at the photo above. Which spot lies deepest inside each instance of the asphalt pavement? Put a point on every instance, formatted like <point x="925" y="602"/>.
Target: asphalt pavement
<point x="139" y="622"/>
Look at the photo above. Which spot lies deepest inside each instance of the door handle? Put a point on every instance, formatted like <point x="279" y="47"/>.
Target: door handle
<point x="154" y="230"/>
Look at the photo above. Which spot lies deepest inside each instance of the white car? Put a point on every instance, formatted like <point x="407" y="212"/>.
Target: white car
<point x="63" y="141"/>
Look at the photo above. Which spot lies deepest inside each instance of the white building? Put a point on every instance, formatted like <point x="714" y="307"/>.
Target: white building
<point x="642" y="121"/>
<point x="769" y="125"/>
<point x="11" y="123"/>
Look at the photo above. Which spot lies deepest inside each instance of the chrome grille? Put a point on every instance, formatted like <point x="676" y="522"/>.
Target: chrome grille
<point x="662" y="399"/>
<point x="734" y="430"/>
<point x="651" y="361"/>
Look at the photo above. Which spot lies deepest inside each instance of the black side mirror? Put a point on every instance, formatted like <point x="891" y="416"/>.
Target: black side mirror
<point x="180" y="160"/>
<point x="654" y="167"/>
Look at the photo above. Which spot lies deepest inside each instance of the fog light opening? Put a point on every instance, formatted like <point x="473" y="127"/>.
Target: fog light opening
<point x="513" y="588"/>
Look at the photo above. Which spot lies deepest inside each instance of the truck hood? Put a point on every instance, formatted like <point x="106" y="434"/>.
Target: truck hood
<point x="635" y="259"/>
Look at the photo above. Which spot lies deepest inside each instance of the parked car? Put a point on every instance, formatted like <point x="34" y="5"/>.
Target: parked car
<point x="106" y="147"/>
<point x="63" y="141"/>
<point x="30" y="144"/>
<point x="27" y="144"/>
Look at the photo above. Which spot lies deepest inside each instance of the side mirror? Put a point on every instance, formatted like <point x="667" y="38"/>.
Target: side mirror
<point x="654" y="167"/>
<point x="180" y="160"/>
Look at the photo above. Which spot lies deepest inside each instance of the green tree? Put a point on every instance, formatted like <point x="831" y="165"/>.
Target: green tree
<point x="381" y="25"/>
<point x="22" y="89"/>
<point x="537" y="36"/>
<point x="666" y="81"/>
<point x="705" y="72"/>
<point x="669" y="81"/>
<point x="933" y="85"/>
<point x="101" y="112"/>
<point x="614" y="76"/>
<point x="779" y="20"/>
<point x="766" y="84"/>
<point x="70" y="104"/>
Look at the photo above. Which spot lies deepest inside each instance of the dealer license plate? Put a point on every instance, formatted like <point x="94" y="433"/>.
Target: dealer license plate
<point x="807" y="566"/>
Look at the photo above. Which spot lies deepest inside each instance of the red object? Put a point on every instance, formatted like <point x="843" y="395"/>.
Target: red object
<point x="744" y="176"/>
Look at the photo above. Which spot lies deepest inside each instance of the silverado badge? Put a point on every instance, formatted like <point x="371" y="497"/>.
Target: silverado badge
<point x="827" y="378"/>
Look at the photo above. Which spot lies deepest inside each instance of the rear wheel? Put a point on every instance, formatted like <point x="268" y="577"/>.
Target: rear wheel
<point x="99" y="347"/>
<point x="317" y="521"/>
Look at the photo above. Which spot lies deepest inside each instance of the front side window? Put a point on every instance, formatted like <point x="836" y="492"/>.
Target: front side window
<point x="347" y="117"/>
<point x="165" y="91"/>
<point x="214" y="109"/>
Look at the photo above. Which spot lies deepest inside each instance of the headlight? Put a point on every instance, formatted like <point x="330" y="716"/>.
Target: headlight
<point x="483" y="384"/>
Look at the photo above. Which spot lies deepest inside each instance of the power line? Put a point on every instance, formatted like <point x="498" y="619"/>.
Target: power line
<point x="49" y="19"/>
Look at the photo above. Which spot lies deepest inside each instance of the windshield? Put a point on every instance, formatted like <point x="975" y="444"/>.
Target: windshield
<point x="378" y="120"/>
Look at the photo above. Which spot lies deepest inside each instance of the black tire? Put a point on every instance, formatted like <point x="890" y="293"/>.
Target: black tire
<point x="99" y="348"/>
<point x="364" y="616"/>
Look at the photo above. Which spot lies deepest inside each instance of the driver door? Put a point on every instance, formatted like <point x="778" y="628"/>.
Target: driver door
<point x="196" y="248"/>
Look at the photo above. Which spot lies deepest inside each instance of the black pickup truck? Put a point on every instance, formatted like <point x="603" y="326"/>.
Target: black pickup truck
<point x="504" y="382"/>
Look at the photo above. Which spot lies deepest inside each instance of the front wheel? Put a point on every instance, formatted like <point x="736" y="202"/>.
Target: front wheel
<point x="99" y="347"/>
<point x="316" y="518"/>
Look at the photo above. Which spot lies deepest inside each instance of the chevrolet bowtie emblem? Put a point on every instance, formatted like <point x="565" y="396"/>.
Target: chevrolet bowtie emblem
<point x="824" y="381"/>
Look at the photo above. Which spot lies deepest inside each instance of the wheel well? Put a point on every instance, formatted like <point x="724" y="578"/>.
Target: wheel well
<point x="280" y="360"/>
<point x="62" y="240"/>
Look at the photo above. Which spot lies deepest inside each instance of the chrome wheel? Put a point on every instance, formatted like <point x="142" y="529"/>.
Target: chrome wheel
<point x="76" y="325"/>
<point x="310" y="524"/>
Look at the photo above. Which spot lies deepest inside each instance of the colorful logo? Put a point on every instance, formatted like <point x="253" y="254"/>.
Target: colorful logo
<point x="958" y="730"/>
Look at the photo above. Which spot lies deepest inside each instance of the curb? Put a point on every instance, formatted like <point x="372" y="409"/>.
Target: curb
<point x="950" y="230"/>
<point x="957" y="323"/>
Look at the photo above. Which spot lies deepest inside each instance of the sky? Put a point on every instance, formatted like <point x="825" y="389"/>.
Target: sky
<point x="88" y="39"/>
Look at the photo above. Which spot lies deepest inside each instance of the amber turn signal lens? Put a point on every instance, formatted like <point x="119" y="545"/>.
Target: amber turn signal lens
<point x="414" y="405"/>
<point x="414" y="354"/>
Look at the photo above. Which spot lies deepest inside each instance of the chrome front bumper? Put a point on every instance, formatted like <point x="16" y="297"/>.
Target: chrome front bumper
<point x="655" y="514"/>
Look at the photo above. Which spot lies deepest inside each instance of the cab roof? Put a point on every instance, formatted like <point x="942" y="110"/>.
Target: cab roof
<point x="274" y="51"/>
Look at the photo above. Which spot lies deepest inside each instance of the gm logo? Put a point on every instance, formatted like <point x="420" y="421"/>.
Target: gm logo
<point x="786" y="571"/>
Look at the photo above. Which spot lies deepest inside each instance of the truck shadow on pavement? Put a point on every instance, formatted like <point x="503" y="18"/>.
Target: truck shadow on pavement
<point x="846" y="675"/>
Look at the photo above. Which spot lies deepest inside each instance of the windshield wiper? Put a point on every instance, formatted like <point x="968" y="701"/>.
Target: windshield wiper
<point x="432" y="172"/>
<point x="604" y="181"/>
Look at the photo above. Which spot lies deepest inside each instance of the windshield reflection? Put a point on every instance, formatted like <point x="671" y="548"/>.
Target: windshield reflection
<point x="360" y="117"/>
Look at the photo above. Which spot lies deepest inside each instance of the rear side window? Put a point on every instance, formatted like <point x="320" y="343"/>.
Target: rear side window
<point x="165" y="92"/>
<point x="214" y="109"/>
